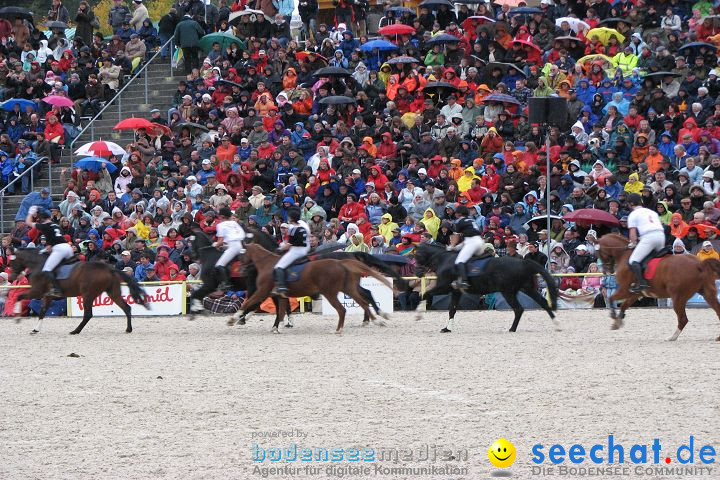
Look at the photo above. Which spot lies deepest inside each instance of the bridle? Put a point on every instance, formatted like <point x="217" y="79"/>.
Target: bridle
<point x="609" y="266"/>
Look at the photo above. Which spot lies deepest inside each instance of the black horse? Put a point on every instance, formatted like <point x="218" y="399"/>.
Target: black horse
<point x="505" y="275"/>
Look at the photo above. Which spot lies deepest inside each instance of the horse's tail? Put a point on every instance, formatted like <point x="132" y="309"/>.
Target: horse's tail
<point x="711" y="267"/>
<point x="356" y="266"/>
<point x="136" y="291"/>
<point x="549" y="281"/>
<point x="382" y="267"/>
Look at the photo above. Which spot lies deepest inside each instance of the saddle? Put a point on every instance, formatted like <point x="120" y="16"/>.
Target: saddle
<point x="651" y="262"/>
<point x="476" y="266"/>
<point x="294" y="271"/>
<point x="66" y="268"/>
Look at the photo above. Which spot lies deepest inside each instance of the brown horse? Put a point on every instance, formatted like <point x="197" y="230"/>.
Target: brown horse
<point x="677" y="277"/>
<point x="326" y="277"/>
<point x="88" y="281"/>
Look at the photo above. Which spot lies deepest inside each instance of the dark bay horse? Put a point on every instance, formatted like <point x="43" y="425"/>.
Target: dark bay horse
<point x="505" y="275"/>
<point x="326" y="277"/>
<point x="677" y="277"/>
<point x="88" y="281"/>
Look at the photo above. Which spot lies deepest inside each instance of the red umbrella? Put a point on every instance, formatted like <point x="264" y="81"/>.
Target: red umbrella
<point x="528" y="44"/>
<point x="58" y="101"/>
<point x="133" y="124"/>
<point x="301" y="56"/>
<point x="396" y="29"/>
<point x="165" y="129"/>
<point x="591" y="216"/>
<point x="471" y="22"/>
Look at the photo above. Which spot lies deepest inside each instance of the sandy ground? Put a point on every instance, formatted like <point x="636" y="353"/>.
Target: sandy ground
<point x="178" y="399"/>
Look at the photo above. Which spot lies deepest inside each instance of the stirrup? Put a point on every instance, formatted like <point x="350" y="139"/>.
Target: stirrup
<point x="280" y="291"/>
<point x="460" y="284"/>
<point x="638" y="287"/>
<point x="55" y="293"/>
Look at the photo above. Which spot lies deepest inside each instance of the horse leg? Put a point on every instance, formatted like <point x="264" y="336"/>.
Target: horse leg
<point x="682" y="319"/>
<point x="87" y="302"/>
<point x="288" y="322"/>
<point x="338" y="306"/>
<point x="249" y="306"/>
<point x="535" y="295"/>
<point x="454" y="302"/>
<point x="196" y="298"/>
<point x="359" y="297"/>
<point x="367" y="295"/>
<point x="629" y="302"/>
<point x="427" y="296"/>
<point x="41" y="315"/>
<point x="512" y="300"/>
<point x="279" y="312"/>
<point x="116" y="297"/>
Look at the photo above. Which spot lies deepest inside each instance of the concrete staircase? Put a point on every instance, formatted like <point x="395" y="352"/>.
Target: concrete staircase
<point x="161" y="87"/>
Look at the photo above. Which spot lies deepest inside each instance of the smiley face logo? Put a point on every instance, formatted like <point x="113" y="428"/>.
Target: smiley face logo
<point x="502" y="453"/>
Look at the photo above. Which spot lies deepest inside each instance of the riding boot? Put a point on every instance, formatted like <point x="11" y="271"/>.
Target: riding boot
<point x="640" y="282"/>
<point x="280" y="282"/>
<point x="55" y="291"/>
<point x="462" y="282"/>
<point x="224" y="277"/>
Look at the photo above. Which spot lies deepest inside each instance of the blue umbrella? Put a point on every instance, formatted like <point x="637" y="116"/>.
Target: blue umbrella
<point x="524" y="11"/>
<point x="94" y="163"/>
<point x="501" y="97"/>
<point x="381" y="45"/>
<point x="400" y="10"/>
<point x="442" y="38"/>
<point x="8" y="105"/>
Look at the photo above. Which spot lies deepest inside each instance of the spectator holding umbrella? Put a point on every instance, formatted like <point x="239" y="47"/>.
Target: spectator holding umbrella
<point x="188" y="33"/>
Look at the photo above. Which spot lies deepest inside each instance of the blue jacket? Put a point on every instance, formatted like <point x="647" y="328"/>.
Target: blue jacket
<point x="33" y="199"/>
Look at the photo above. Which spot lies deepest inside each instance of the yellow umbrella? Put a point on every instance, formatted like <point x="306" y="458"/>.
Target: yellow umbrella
<point x="604" y="33"/>
<point x="596" y="56"/>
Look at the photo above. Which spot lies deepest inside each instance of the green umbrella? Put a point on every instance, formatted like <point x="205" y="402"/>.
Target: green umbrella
<point x="225" y="39"/>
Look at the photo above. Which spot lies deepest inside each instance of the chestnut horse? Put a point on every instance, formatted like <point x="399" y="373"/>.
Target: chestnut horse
<point x="677" y="277"/>
<point x="325" y="276"/>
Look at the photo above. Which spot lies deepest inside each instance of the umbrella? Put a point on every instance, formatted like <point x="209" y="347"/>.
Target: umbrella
<point x="442" y="89"/>
<point x="236" y="16"/>
<point x="133" y="124"/>
<point x="505" y="67"/>
<point x="381" y="45"/>
<point x="228" y="83"/>
<point x="575" y="23"/>
<point x="697" y="46"/>
<point x="337" y="100"/>
<point x="400" y="10"/>
<point x="225" y="39"/>
<point x="542" y="219"/>
<point x="660" y="75"/>
<point x="402" y="59"/>
<point x="300" y="56"/>
<point x="100" y="149"/>
<point x="442" y="39"/>
<point x="524" y="11"/>
<point x="511" y="3"/>
<point x="12" y="13"/>
<point x="390" y="258"/>
<point x="603" y="34"/>
<point x="611" y="22"/>
<point x="396" y="29"/>
<point x="471" y="22"/>
<point x="502" y="98"/>
<point x="9" y="104"/>
<point x="436" y="3"/>
<point x="56" y="25"/>
<point x="165" y="129"/>
<point x="58" y="101"/>
<point x="596" y="56"/>
<point x="525" y="43"/>
<point x="190" y="125"/>
<point x="95" y="163"/>
<point x="592" y="216"/>
<point x="332" y="72"/>
<point x="570" y="39"/>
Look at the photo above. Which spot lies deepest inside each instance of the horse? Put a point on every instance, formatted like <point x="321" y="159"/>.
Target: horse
<point x="327" y="277"/>
<point x="88" y="280"/>
<point x="505" y="275"/>
<point x="677" y="277"/>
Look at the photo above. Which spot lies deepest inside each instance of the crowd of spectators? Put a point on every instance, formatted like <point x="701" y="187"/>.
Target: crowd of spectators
<point x="251" y="130"/>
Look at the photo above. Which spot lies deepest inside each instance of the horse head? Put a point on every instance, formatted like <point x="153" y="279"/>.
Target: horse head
<point x="611" y="248"/>
<point x="22" y="259"/>
<point x="425" y="255"/>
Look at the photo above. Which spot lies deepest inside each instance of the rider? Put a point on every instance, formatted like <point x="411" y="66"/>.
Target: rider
<point x="231" y="234"/>
<point x="56" y="244"/>
<point x="297" y="246"/>
<point x="471" y="243"/>
<point x="644" y="224"/>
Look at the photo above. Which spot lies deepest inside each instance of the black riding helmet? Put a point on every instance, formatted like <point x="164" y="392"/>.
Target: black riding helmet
<point x="634" y="199"/>
<point x="225" y="212"/>
<point x="43" y="215"/>
<point x="294" y="214"/>
<point x="462" y="210"/>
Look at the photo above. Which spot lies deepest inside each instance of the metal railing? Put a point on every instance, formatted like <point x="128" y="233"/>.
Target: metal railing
<point x="30" y="171"/>
<point x="118" y="97"/>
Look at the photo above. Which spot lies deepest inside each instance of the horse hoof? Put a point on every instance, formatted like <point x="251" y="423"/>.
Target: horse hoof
<point x="275" y="330"/>
<point x="230" y="322"/>
<point x="338" y="331"/>
<point x="418" y="317"/>
<point x="241" y="321"/>
<point x="385" y="315"/>
<point x="445" y="330"/>
<point x="512" y="330"/>
<point x="74" y="332"/>
<point x="289" y="325"/>
<point x="33" y="332"/>
<point x="380" y="323"/>
<point x="365" y="324"/>
<point x="718" y="339"/>
<point x="129" y="330"/>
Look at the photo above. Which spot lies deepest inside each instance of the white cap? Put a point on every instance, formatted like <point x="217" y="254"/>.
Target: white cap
<point x="707" y="243"/>
<point x="206" y="161"/>
<point x="244" y="140"/>
<point x="580" y="247"/>
<point x="125" y="252"/>
<point x="206" y="96"/>
<point x="422" y="171"/>
<point x="708" y="174"/>
<point x="357" y="170"/>
<point x="192" y="178"/>
<point x="219" y="186"/>
<point x="591" y="233"/>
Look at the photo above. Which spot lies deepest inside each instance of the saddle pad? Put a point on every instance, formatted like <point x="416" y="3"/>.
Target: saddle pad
<point x="651" y="267"/>
<point x="477" y="267"/>
<point x="294" y="271"/>
<point x="63" y="272"/>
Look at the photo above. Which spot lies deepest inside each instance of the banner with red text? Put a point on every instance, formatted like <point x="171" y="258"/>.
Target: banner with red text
<point x="162" y="300"/>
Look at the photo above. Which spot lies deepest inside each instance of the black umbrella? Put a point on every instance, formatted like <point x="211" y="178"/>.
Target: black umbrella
<point x="441" y="89"/>
<point x="190" y="125"/>
<point x="12" y="13"/>
<point x="332" y="72"/>
<point x="662" y="74"/>
<point x="229" y="83"/>
<point x="390" y="258"/>
<point x="504" y="67"/>
<point x="436" y="3"/>
<point x="611" y="22"/>
<point x="402" y="59"/>
<point x="441" y="39"/>
<point x="524" y="11"/>
<point x="542" y="220"/>
<point x="337" y="100"/>
<point x="56" y="25"/>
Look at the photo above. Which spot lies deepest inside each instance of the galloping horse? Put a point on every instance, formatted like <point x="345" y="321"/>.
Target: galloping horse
<point x="325" y="276"/>
<point x="505" y="275"/>
<point x="677" y="277"/>
<point x="88" y="280"/>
